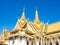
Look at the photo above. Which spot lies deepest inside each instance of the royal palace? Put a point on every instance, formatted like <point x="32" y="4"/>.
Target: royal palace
<point x="31" y="33"/>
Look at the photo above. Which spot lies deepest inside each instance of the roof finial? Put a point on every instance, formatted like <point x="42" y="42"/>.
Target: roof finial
<point x="23" y="14"/>
<point x="36" y="16"/>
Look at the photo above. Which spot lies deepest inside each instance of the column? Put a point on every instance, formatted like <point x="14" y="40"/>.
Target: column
<point x="58" y="40"/>
<point x="41" y="40"/>
<point x="17" y="41"/>
<point x="30" y="41"/>
<point x="46" y="41"/>
<point x="27" y="41"/>
<point x="36" y="41"/>
<point x="20" y="40"/>
<point x="10" y="42"/>
<point x="23" y="41"/>
<point x="52" y="40"/>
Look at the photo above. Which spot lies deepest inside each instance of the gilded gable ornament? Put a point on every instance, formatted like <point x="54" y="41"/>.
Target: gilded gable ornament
<point x="22" y="21"/>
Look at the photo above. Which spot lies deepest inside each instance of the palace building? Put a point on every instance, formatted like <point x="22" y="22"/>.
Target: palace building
<point x="31" y="33"/>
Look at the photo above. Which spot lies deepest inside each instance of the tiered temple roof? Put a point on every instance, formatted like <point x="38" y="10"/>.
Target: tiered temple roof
<point x="30" y="28"/>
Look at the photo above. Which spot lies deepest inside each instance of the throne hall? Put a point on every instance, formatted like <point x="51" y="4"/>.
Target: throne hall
<point x="31" y="33"/>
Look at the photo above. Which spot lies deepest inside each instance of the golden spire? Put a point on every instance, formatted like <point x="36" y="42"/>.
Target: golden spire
<point x="36" y="17"/>
<point x="23" y="15"/>
<point x="23" y="20"/>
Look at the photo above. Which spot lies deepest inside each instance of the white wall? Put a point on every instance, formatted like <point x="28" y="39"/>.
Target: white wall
<point x="23" y="41"/>
<point x="17" y="41"/>
<point x="37" y="42"/>
<point x="30" y="42"/>
<point x="10" y="42"/>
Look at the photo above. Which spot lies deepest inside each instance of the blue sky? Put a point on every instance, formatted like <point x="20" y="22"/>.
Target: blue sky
<point x="11" y="10"/>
